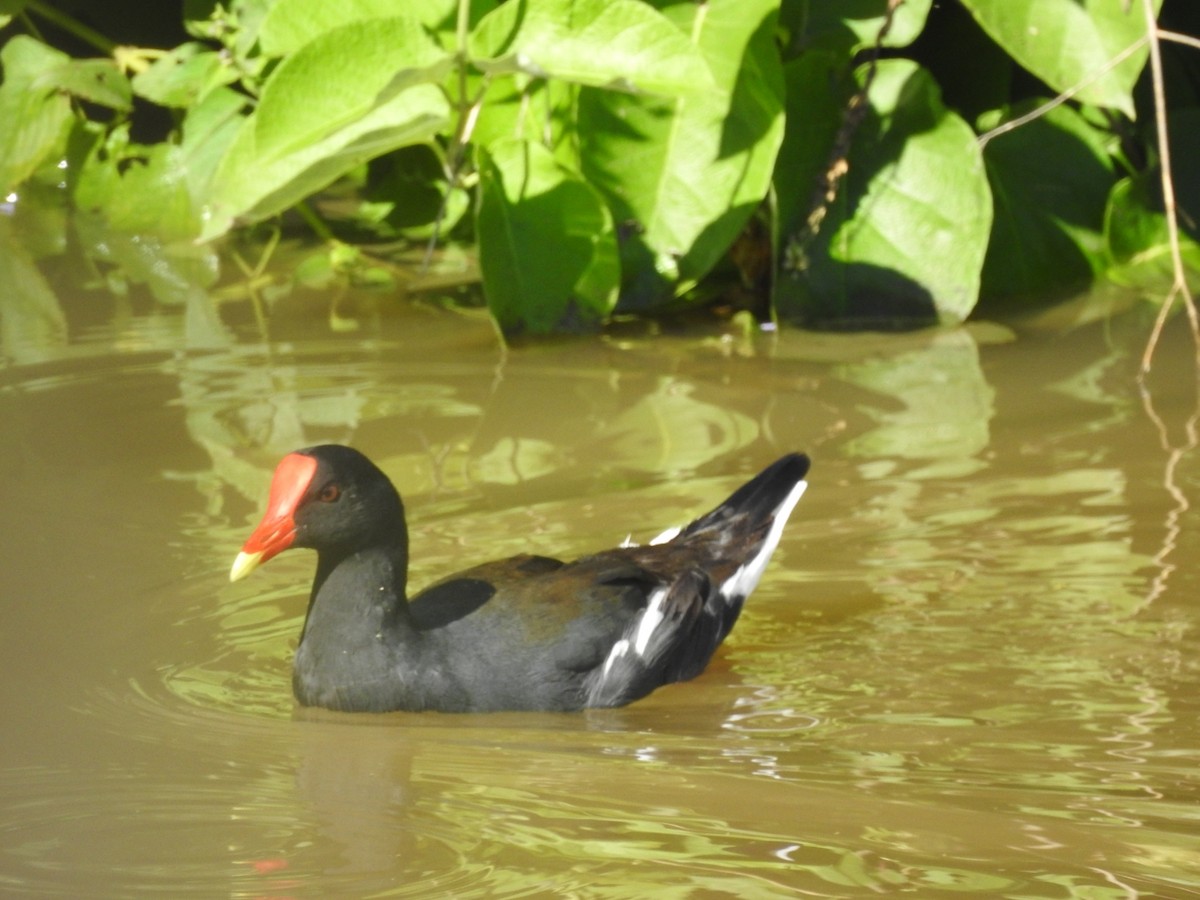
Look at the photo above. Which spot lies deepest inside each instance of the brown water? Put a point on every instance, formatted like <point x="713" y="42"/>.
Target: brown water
<point x="973" y="666"/>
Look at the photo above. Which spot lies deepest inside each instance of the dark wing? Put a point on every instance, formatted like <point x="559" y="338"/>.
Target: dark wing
<point x="537" y="629"/>
<point x="461" y="594"/>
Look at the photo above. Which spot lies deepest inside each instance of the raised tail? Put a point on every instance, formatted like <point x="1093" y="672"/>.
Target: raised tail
<point x="699" y="578"/>
<point x="760" y="499"/>
<point x="754" y="516"/>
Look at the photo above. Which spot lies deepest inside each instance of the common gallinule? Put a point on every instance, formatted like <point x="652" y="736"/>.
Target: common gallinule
<point x="522" y="633"/>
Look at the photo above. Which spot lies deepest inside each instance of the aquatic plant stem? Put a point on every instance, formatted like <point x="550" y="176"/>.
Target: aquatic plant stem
<point x="1179" y="287"/>
<point x="468" y="115"/>
<point x="315" y="222"/>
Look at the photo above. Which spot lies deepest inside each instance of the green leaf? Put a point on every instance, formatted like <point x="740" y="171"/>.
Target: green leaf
<point x="138" y="190"/>
<point x="250" y="185"/>
<point x="42" y="115"/>
<point x="543" y="111"/>
<point x="546" y="246"/>
<point x="290" y="24"/>
<point x="1066" y="42"/>
<point x="1050" y="180"/>
<point x="847" y="26"/>
<point x="621" y="44"/>
<point x="691" y="171"/>
<point x="407" y="190"/>
<point x="1137" y="237"/>
<point x="208" y="129"/>
<point x="905" y="238"/>
<point x="98" y="81"/>
<point x="341" y="77"/>
<point x="184" y="76"/>
<point x="30" y="65"/>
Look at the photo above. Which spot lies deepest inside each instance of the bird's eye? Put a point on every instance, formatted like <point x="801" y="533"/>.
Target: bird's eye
<point x="329" y="493"/>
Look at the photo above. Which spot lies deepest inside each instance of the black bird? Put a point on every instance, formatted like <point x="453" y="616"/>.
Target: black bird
<point x="527" y="632"/>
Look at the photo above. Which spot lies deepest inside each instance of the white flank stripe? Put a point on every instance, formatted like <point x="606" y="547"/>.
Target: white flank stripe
<point x="650" y="620"/>
<point x="620" y="648"/>
<point x="742" y="582"/>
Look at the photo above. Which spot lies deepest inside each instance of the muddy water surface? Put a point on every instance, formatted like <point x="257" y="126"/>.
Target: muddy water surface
<point x="973" y="666"/>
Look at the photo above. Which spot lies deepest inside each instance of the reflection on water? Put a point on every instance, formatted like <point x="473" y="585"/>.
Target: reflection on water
<point x="965" y="672"/>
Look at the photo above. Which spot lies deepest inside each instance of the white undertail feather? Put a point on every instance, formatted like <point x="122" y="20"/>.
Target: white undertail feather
<point x="745" y="579"/>
<point x="667" y="536"/>
<point x="664" y="537"/>
<point x="739" y="584"/>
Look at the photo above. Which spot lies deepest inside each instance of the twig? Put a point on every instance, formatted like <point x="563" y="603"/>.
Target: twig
<point x="1062" y="98"/>
<point x="1176" y="37"/>
<point x="1179" y="286"/>
<point x="838" y="163"/>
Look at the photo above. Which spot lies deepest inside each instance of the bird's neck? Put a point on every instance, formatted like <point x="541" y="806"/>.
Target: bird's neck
<point x="358" y="592"/>
<point x="357" y="624"/>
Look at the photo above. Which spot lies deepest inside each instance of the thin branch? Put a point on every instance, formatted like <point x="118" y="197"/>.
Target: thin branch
<point x="1178" y="38"/>
<point x="838" y="164"/>
<point x="1064" y="96"/>
<point x="1179" y="286"/>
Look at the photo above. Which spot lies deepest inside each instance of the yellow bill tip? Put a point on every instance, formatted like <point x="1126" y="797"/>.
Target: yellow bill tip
<point x="244" y="565"/>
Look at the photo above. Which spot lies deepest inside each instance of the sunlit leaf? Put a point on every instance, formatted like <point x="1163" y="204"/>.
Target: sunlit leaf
<point x="1068" y="42"/>
<point x="339" y="78"/>
<point x="689" y="172"/>
<point x="906" y="236"/>
<point x="546" y="245"/>
<point x="847" y="26"/>
<point x="41" y="70"/>
<point x="44" y="114"/>
<point x="250" y="184"/>
<point x="603" y="43"/>
<point x="208" y="129"/>
<point x="290" y="24"/>
<point x="98" y="81"/>
<point x="537" y="110"/>
<point x="138" y="189"/>
<point x="184" y="76"/>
